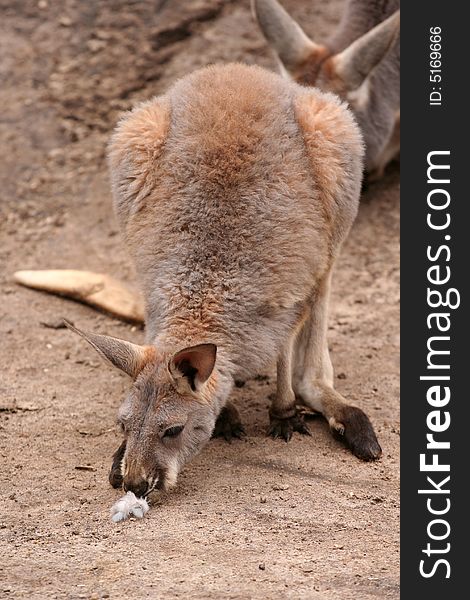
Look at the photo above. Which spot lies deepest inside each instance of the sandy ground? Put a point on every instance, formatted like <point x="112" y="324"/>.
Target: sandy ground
<point x="253" y="519"/>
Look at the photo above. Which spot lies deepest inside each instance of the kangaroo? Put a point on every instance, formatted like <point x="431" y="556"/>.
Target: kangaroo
<point x="234" y="192"/>
<point x="360" y="62"/>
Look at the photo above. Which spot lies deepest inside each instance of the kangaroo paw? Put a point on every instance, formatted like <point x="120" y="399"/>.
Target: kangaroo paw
<point x="115" y="475"/>
<point x="228" y="424"/>
<point x="284" y="428"/>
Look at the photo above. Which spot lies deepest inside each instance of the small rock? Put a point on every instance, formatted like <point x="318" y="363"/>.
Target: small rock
<point x="65" y="21"/>
<point x="280" y="487"/>
<point x="102" y="34"/>
<point x="96" y="45"/>
<point x="262" y="566"/>
<point x="308" y="568"/>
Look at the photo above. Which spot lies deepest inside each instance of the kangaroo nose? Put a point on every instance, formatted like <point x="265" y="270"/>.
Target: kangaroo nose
<point x="138" y="487"/>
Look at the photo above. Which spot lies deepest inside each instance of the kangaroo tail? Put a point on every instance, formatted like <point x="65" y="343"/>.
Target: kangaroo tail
<point x="97" y="290"/>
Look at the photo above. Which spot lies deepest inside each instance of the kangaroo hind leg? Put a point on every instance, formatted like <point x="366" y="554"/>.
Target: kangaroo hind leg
<point x="313" y="382"/>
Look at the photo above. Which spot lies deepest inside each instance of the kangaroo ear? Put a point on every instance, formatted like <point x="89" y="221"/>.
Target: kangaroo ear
<point x="355" y="63"/>
<point x="130" y="358"/>
<point x="193" y="366"/>
<point x="285" y="36"/>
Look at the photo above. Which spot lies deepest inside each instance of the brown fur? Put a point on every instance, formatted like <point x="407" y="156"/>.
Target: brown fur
<point x="307" y="71"/>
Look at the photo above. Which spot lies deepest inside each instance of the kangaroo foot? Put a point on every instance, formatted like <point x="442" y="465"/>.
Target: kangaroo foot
<point x="353" y="426"/>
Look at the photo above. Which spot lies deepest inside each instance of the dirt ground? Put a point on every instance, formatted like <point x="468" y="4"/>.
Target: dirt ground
<point x="253" y="519"/>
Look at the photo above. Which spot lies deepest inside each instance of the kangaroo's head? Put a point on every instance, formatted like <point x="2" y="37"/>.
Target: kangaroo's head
<point x="344" y="73"/>
<point x="168" y="414"/>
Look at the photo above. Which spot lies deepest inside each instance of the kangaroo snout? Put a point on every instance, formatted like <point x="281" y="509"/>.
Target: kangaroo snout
<point x="140" y="487"/>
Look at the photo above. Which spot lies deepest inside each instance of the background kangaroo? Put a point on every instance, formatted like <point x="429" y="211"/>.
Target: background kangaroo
<point x="360" y="62"/>
<point x="234" y="192"/>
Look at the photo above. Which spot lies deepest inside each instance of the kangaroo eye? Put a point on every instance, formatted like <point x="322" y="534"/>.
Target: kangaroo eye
<point x="173" y="431"/>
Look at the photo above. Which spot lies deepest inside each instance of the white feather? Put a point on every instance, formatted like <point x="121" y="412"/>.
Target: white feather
<point x="129" y="505"/>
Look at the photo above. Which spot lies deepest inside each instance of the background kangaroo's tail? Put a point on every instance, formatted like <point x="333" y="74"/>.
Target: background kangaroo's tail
<point x="97" y="290"/>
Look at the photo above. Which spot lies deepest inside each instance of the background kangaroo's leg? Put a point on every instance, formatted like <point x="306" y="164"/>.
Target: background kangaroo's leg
<point x="391" y="151"/>
<point x="283" y="416"/>
<point x="313" y="382"/>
